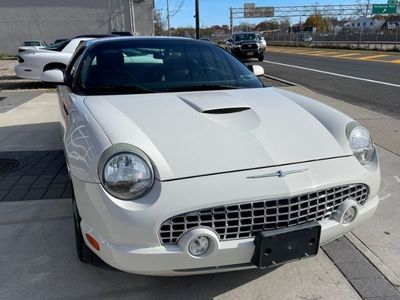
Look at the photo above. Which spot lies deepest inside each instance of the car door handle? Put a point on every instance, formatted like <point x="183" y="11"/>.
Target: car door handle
<point x="66" y="110"/>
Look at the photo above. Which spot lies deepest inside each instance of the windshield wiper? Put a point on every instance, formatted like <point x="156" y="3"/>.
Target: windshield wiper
<point x="120" y="89"/>
<point x="204" y="87"/>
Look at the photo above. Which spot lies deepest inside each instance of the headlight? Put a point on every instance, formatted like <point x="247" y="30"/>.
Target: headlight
<point x="127" y="175"/>
<point x="361" y="143"/>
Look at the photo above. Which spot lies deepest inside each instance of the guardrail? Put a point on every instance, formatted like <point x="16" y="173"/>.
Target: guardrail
<point x="361" y="45"/>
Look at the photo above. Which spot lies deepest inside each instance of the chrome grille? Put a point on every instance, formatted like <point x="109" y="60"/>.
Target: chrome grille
<point x="249" y="46"/>
<point x="244" y="220"/>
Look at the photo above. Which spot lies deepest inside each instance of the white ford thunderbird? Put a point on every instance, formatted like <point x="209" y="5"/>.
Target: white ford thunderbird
<point x="184" y="162"/>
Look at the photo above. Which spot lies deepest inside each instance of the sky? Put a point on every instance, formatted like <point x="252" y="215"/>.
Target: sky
<point x="214" y="12"/>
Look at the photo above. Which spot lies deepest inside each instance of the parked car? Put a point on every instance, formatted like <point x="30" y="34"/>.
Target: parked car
<point x="262" y="41"/>
<point x="245" y="45"/>
<point x="122" y="33"/>
<point x="32" y="63"/>
<point x="34" y="44"/>
<point x="183" y="162"/>
<point x="59" y="41"/>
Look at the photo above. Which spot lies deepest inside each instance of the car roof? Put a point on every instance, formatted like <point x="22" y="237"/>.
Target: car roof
<point x="251" y="32"/>
<point x="141" y="38"/>
<point x="96" y="36"/>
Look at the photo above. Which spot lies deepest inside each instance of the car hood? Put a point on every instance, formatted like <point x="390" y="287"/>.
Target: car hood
<point x="246" y="42"/>
<point x="202" y="133"/>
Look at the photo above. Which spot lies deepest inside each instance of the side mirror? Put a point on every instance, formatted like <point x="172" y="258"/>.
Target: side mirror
<point x="256" y="69"/>
<point x="229" y="41"/>
<point x="55" y="76"/>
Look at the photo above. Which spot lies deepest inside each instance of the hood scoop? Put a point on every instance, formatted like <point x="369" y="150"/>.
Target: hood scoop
<point x="222" y="111"/>
<point x="219" y="103"/>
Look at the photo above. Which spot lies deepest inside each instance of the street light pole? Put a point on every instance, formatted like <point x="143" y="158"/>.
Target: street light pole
<point x="168" y="19"/>
<point x="197" y="16"/>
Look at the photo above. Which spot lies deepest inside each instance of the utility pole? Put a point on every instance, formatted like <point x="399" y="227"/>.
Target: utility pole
<point x="197" y="16"/>
<point x="168" y="19"/>
<point x="231" y="19"/>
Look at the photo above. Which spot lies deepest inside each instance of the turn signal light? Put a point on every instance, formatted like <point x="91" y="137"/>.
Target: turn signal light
<point x="92" y="242"/>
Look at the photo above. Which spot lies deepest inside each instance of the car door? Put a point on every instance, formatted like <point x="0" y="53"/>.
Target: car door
<point x="66" y="98"/>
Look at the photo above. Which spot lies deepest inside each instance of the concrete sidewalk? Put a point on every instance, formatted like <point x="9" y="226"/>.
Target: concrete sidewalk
<point x="32" y="126"/>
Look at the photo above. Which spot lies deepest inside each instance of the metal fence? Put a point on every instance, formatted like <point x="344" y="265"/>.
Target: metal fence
<point x="346" y="38"/>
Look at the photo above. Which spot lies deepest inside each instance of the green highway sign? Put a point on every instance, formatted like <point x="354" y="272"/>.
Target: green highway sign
<point x="383" y="9"/>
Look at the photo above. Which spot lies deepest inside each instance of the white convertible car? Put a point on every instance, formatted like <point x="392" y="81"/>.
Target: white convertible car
<point x="32" y="62"/>
<point x="183" y="162"/>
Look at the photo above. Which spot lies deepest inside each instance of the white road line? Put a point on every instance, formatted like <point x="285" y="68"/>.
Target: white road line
<point x="385" y="197"/>
<point x="333" y="74"/>
<point x="397" y="178"/>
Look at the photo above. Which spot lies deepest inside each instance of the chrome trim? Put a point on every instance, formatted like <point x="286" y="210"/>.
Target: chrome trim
<point x="280" y="173"/>
<point x="245" y="220"/>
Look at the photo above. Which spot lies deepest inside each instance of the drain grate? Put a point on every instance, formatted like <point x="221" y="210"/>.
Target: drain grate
<point x="8" y="165"/>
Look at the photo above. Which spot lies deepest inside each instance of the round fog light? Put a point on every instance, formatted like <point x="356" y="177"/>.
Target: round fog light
<point x="349" y="215"/>
<point x="347" y="212"/>
<point x="199" y="245"/>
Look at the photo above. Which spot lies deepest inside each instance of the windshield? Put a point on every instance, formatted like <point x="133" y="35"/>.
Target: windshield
<point x="244" y="37"/>
<point x="58" y="46"/>
<point x="32" y="44"/>
<point x="155" y="66"/>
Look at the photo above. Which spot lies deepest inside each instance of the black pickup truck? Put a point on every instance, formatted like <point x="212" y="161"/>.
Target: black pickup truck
<point x="246" y="45"/>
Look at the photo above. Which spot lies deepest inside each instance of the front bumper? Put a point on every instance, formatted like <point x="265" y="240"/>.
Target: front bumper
<point x="250" y="53"/>
<point x="128" y="231"/>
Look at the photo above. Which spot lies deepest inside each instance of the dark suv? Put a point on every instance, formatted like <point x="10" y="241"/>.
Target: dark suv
<point x="246" y="45"/>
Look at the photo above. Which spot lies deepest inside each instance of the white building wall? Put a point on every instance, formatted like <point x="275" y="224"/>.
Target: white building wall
<point x="54" y="19"/>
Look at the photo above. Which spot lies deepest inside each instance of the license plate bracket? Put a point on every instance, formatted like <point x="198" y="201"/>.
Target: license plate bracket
<point x="281" y="246"/>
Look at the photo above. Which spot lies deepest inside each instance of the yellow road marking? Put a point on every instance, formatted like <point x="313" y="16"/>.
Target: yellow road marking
<point x="347" y="54"/>
<point x="326" y="53"/>
<point x="372" y="57"/>
<point x="335" y="55"/>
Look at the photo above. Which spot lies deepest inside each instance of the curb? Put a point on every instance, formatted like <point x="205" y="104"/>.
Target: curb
<point x="374" y="260"/>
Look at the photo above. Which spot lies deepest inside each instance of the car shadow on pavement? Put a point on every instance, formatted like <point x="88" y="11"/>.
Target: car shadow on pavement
<point x="11" y="83"/>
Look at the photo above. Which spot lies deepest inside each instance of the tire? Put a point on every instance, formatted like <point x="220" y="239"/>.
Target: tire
<point x="261" y="58"/>
<point x="84" y="253"/>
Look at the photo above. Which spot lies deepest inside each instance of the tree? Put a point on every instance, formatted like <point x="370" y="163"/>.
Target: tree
<point x="158" y="23"/>
<point x="268" y="25"/>
<point x="362" y="8"/>
<point x="284" y="23"/>
<point x="317" y="21"/>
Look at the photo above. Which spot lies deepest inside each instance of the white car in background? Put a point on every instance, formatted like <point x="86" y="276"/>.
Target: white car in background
<point x="33" y="44"/>
<point x="33" y="62"/>
<point x="184" y="162"/>
<point x="262" y="40"/>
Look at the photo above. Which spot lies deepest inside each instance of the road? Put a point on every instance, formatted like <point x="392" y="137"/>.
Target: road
<point x="368" y="80"/>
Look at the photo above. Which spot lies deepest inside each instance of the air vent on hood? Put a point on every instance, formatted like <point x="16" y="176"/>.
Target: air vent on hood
<point x="228" y="110"/>
<point x="216" y="103"/>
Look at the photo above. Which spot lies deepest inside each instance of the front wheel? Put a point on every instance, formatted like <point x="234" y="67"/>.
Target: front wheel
<point x="261" y="57"/>
<point x="85" y="255"/>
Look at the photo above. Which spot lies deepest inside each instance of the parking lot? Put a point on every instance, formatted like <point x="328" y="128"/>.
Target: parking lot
<point x="37" y="254"/>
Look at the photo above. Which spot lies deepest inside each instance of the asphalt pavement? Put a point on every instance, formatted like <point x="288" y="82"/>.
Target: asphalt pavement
<point x="371" y="84"/>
